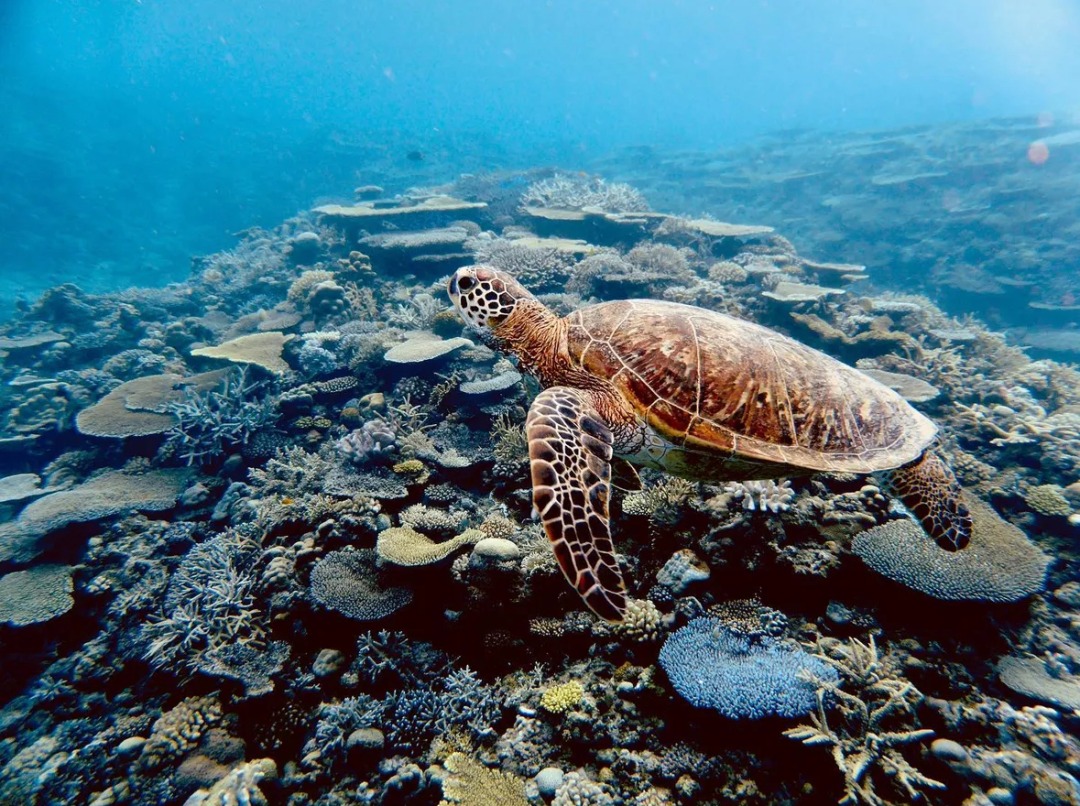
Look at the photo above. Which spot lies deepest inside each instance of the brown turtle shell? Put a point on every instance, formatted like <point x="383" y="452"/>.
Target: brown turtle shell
<point x="743" y="394"/>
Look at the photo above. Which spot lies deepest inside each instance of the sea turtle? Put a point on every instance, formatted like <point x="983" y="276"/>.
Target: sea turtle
<point x="695" y="393"/>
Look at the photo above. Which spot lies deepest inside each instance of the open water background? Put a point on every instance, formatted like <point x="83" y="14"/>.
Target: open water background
<point x="134" y="135"/>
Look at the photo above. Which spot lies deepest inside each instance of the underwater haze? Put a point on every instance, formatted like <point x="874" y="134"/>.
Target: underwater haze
<point x="137" y="134"/>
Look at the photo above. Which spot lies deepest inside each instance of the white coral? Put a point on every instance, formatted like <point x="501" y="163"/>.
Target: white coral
<point x="764" y="496"/>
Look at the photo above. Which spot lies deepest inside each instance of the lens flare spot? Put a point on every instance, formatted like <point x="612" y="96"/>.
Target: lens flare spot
<point x="1038" y="153"/>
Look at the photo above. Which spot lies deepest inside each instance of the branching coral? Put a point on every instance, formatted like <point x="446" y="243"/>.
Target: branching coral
<point x="211" y="422"/>
<point x="762" y="496"/>
<point x="460" y="700"/>
<point x="662" y="502"/>
<point x="872" y="725"/>
<point x="210" y="606"/>
<point x="574" y="193"/>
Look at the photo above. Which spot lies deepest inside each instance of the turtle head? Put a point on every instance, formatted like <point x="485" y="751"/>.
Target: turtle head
<point x="486" y="297"/>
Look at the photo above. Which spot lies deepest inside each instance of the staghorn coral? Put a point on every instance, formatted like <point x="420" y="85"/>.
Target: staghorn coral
<point x="212" y="421"/>
<point x="875" y="722"/>
<point x="337" y="721"/>
<point x="385" y="653"/>
<point x="209" y="610"/>
<point x="415" y="716"/>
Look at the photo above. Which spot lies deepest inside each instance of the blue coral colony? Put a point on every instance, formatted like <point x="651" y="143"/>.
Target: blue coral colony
<point x="273" y="541"/>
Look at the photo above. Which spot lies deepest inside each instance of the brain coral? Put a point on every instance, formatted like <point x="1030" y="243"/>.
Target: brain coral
<point x="35" y="595"/>
<point x="999" y="565"/>
<point x="347" y="581"/>
<point x="712" y="666"/>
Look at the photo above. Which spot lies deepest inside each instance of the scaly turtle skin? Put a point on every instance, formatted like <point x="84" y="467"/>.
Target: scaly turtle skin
<point x="695" y="393"/>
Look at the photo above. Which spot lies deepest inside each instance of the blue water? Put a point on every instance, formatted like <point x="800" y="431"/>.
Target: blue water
<point x="137" y="134"/>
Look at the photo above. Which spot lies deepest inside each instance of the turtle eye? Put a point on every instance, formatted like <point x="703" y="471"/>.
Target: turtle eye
<point x="466" y="282"/>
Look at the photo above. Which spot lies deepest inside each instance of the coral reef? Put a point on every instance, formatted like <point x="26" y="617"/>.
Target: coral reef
<point x="309" y="574"/>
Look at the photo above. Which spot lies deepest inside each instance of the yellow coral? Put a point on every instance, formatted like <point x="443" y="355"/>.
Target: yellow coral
<point x="403" y="545"/>
<point x="303" y="284"/>
<point x="561" y="698"/>
<point x="416" y="470"/>
<point x="473" y="784"/>
<point x="1049" y="500"/>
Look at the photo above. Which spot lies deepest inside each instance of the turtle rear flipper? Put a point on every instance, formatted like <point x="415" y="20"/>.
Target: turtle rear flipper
<point x="930" y="490"/>
<point x="570" y="451"/>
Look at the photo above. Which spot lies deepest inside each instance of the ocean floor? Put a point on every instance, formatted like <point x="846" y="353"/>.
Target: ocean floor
<point x="268" y="537"/>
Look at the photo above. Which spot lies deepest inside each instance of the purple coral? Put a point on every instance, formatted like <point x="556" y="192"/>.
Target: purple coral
<point x="375" y="438"/>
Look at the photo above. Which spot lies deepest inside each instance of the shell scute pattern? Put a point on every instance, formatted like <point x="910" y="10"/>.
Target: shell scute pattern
<point x="710" y="382"/>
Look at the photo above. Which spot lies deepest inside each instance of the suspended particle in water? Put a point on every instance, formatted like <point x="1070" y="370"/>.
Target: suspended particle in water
<point x="1038" y="153"/>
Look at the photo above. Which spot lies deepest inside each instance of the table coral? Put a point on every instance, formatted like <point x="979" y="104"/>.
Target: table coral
<point x="711" y="666"/>
<point x="999" y="565"/>
<point x="472" y="784"/>
<point x="38" y="594"/>
<point x="347" y="581"/>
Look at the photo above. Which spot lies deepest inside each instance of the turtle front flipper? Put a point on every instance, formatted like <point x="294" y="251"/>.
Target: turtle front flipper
<point x="930" y="490"/>
<point x="570" y="450"/>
